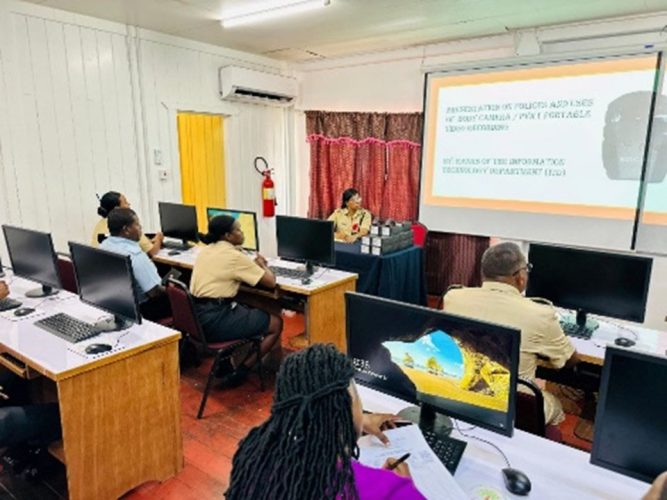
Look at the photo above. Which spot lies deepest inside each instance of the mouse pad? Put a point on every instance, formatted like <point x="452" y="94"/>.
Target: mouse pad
<point x="32" y="316"/>
<point x="80" y="347"/>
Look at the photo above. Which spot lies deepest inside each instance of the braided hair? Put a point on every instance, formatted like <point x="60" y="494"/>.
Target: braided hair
<point x="305" y="449"/>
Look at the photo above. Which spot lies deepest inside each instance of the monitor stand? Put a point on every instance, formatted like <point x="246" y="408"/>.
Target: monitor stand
<point x="113" y="324"/>
<point x="173" y="245"/>
<point x="310" y="268"/>
<point x="45" y="291"/>
<point x="582" y="320"/>
<point x="428" y="419"/>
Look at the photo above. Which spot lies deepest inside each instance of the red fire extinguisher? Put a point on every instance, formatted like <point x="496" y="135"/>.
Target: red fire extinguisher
<point x="268" y="189"/>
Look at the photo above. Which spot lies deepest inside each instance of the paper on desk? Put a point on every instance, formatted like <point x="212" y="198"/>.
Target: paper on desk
<point x="430" y="476"/>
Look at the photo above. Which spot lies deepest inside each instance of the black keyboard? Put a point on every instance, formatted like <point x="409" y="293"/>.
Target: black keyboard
<point x="6" y="304"/>
<point x="66" y="327"/>
<point x="574" y="330"/>
<point x="286" y="272"/>
<point x="448" y="450"/>
<point x="175" y="245"/>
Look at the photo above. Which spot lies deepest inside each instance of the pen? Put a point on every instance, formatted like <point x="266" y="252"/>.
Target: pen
<point x="399" y="462"/>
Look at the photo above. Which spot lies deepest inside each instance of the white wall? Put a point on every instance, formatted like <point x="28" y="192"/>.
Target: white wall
<point x="393" y="81"/>
<point x="86" y="102"/>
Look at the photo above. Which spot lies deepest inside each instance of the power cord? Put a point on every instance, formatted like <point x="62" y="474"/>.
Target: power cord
<point x="470" y="436"/>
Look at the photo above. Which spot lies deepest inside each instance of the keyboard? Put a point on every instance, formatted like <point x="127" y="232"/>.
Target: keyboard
<point x="448" y="450"/>
<point x="286" y="272"/>
<point x="175" y="245"/>
<point x="66" y="327"/>
<point x="6" y="304"/>
<point x="574" y="330"/>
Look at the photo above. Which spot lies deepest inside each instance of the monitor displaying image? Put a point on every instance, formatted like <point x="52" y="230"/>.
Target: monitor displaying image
<point x="247" y="220"/>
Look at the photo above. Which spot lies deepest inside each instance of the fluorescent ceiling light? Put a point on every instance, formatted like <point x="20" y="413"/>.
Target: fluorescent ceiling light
<point x="281" y="10"/>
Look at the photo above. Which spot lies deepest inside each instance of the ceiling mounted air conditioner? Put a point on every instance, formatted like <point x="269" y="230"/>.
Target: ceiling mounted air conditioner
<point x="248" y="85"/>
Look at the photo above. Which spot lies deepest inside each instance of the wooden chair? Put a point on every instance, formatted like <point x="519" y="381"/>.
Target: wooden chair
<point x="530" y="412"/>
<point x="186" y="321"/>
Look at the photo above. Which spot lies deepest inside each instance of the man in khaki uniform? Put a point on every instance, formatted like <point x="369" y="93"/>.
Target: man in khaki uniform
<point x="500" y="300"/>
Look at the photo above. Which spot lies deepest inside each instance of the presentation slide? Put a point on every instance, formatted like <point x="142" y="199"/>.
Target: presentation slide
<point x="548" y="152"/>
<point x="652" y="230"/>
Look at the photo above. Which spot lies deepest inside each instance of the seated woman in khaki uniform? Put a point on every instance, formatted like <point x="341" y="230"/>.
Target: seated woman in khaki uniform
<point x="218" y="272"/>
<point x="108" y="202"/>
<point x="350" y="220"/>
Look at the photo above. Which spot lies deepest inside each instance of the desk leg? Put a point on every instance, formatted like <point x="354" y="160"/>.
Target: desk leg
<point x="325" y="315"/>
<point x="121" y="424"/>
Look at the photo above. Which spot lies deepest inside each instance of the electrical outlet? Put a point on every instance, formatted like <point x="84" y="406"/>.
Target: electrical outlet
<point x="163" y="174"/>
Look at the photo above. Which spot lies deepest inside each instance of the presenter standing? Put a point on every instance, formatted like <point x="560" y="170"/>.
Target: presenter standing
<point x="350" y="220"/>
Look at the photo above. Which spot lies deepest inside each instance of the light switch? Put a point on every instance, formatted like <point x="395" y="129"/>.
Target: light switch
<point x="157" y="156"/>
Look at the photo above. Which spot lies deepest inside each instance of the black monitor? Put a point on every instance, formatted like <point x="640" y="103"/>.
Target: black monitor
<point x="588" y="281"/>
<point x="631" y="421"/>
<point x="451" y="365"/>
<point x="247" y="220"/>
<point x="105" y="281"/>
<point x="2" y="270"/>
<point x="33" y="257"/>
<point x="305" y="240"/>
<point x="179" y="221"/>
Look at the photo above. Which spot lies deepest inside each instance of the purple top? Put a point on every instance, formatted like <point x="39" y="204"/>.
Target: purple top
<point x="381" y="484"/>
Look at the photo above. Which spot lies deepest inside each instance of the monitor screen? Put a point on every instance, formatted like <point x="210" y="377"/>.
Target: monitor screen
<point x="630" y="426"/>
<point x="463" y="368"/>
<point x="32" y="255"/>
<point x="608" y="284"/>
<point x="247" y="220"/>
<point x="105" y="281"/>
<point x="310" y="240"/>
<point x="178" y="221"/>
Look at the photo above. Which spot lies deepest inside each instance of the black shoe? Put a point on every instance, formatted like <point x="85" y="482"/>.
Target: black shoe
<point x="236" y="378"/>
<point x="225" y="368"/>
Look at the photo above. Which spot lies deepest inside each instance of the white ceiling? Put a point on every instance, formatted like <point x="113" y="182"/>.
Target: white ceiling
<point x="348" y="27"/>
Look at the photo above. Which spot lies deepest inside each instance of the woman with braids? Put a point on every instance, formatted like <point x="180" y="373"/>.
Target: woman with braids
<point x="308" y="446"/>
<point x="218" y="272"/>
<point x="109" y="201"/>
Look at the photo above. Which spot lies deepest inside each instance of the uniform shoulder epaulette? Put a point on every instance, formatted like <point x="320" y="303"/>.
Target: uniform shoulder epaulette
<point x="540" y="300"/>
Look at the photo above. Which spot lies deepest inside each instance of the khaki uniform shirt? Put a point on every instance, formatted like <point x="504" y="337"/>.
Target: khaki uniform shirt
<point x="541" y="334"/>
<point x="102" y="227"/>
<point x="220" y="269"/>
<point x="349" y="226"/>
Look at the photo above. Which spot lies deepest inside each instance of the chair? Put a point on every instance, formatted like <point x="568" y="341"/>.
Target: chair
<point x="530" y="412"/>
<point x="186" y="321"/>
<point x="66" y="272"/>
<point x="419" y="232"/>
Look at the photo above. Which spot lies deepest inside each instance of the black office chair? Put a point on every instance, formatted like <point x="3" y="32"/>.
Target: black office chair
<point x="530" y="412"/>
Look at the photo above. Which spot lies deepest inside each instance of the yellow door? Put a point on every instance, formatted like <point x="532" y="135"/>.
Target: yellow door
<point x="202" y="162"/>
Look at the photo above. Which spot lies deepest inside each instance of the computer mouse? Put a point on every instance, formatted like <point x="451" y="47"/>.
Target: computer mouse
<point x="23" y="311"/>
<point x="174" y="252"/>
<point x="624" y="342"/>
<point x="516" y="481"/>
<point x="97" y="348"/>
<point x="306" y="281"/>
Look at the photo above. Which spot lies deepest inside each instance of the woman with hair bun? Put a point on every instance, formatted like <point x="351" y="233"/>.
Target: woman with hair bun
<point x="109" y="201"/>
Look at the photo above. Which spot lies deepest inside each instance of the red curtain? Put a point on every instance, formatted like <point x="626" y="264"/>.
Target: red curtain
<point x="377" y="153"/>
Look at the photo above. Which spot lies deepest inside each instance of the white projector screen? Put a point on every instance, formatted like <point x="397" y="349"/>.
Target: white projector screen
<point x="550" y="152"/>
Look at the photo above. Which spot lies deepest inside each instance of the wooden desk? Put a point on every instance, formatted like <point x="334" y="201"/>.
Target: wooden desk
<point x="556" y="471"/>
<point x="324" y="297"/>
<point x="593" y="350"/>
<point x="120" y="410"/>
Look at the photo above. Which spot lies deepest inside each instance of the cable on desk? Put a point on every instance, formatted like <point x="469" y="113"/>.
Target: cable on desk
<point x="620" y="327"/>
<point x="470" y="436"/>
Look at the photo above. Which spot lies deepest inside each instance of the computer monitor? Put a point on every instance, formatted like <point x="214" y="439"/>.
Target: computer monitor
<point x="179" y="221"/>
<point x="305" y="240"/>
<point x="588" y="281"/>
<point x="450" y="365"/>
<point x="2" y="270"/>
<point x="105" y="281"/>
<point x="630" y="430"/>
<point x="247" y="220"/>
<point x="32" y="257"/>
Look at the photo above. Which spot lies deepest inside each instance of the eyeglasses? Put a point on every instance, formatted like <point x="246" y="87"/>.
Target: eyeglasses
<point x="528" y="268"/>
